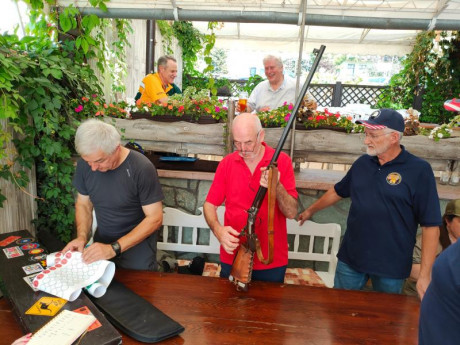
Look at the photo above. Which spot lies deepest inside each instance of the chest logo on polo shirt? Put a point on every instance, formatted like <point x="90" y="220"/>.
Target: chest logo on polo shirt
<point x="394" y="178"/>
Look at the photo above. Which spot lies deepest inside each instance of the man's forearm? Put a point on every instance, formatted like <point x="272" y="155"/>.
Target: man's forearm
<point x="286" y="202"/>
<point x="143" y="230"/>
<point x="430" y="240"/>
<point x="210" y="215"/>
<point x="83" y="221"/>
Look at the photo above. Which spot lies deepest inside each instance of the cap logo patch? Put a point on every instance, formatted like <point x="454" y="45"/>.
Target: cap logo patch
<point x="375" y="115"/>
<point x="394" y="178"/>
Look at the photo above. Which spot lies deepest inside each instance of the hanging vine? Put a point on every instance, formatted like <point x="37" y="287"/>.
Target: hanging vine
<point x="193" y="43"/>
<point x="43" y="73"/>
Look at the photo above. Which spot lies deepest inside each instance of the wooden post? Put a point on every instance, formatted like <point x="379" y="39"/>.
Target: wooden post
<point x="150" y="48"/>
<point x="230" y="116"/>
<point x="337" y="95"/>
<point x="19" y="208"/>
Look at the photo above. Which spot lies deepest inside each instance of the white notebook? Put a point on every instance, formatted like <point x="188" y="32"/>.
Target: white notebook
<point x="63" y="329"/>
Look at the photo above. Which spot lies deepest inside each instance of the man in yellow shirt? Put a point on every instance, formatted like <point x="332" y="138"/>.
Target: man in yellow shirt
<point x="155" y="86"/>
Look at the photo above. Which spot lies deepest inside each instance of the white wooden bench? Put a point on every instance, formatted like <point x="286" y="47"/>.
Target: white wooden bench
<point x="329" y="234"/>
<point x="177" y="220"/>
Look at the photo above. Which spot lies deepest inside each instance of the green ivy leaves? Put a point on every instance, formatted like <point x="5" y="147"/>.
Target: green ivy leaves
<point x="431" y="70"/>
<point x="40" y="75"/>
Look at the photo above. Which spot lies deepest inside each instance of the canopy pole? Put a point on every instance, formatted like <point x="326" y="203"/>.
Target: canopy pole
<point x="303" y="6"/>
<point x="272" y="17"/>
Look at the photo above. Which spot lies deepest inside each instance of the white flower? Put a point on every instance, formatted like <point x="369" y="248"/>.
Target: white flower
<point x="440" y="135"/>
<point x="130" y="101"/>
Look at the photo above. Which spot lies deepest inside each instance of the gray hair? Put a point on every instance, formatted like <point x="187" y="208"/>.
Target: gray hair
<point x="94" y="135"/>
<point x="389" y="130"/>
<point x="277" y="59"/>
<point x="163" y="60"/>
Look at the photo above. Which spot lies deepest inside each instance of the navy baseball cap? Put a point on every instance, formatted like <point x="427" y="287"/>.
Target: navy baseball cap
<point x="384" y="118"/>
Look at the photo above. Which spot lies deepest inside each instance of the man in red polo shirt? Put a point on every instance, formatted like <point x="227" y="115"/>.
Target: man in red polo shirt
<point x="236" y="182"/>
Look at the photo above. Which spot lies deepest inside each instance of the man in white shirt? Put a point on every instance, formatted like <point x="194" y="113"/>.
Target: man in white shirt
<point x="276" y="90"/>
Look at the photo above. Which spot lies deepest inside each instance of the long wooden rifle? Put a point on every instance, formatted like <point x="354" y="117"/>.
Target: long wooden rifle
<point x="242" y="265"/>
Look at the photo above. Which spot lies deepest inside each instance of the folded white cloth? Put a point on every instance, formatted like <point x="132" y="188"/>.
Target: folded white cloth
<point x="66" y="274"/>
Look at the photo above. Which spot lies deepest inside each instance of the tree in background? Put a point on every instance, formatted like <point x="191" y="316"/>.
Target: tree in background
<point x="430" y="71"/>
<point x="219" y="61"/>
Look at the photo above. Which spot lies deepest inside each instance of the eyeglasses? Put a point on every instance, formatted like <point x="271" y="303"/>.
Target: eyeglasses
<point x="372" y="136"/>
<point x="237" y="146"/>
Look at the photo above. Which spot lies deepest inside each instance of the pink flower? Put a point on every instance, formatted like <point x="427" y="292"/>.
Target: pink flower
<point x="290" y="106"/>
<point x="287" y="117"/>
<point x="79" y="108"/>
<point x="221" y="101"/>
<point x="94" y="95"/>
<point x="217" y="109"/>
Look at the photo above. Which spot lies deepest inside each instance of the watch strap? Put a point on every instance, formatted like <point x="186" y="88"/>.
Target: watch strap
<point x="116" y="248"/>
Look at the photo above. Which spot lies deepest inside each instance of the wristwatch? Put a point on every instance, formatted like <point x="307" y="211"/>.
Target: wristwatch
<point x="116" y="248"/>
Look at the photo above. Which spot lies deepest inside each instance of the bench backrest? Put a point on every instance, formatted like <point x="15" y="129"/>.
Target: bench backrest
<point x="315" y="242"/>
<point x="176" y="227"/>
<point x="312" y="241"/>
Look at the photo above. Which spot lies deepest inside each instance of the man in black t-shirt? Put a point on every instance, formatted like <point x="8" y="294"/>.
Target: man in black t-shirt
<point x="123" y="188"/>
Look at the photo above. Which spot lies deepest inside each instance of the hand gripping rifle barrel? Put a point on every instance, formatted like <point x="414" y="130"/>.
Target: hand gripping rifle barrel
<point x="254" y="209"/>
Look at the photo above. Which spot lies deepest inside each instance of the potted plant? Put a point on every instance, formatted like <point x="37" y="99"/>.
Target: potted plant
<point x="191" y="105"/>
<point x="314" y="120"/>
<point x="93" y="105"/>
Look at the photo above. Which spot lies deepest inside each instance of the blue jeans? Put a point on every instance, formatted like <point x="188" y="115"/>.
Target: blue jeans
<point x="350" y="279"/>
<point x="270" y="275"/>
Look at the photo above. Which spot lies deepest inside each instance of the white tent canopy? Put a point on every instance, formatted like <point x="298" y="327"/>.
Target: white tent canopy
<point x="248" y="37"/>
<point x="358" y="26"/>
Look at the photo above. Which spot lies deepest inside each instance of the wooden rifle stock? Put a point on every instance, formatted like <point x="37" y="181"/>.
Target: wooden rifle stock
<point x="244" y="260"/>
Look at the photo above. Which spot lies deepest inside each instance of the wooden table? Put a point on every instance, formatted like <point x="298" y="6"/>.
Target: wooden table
<point x="213" y="312"/>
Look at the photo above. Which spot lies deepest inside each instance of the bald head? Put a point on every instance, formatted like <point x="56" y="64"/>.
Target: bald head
<point x="248" y="137"/>
<point x="247" y="123"/>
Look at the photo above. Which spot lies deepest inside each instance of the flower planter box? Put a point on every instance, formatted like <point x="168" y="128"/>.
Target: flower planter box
<point x="203" y="119"/>
<point x="299" y="126"/>
<point x="320" y="145"/>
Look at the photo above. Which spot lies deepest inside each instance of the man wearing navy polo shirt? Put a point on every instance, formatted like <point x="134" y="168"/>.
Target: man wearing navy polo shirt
<point x="392" y="192"/>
